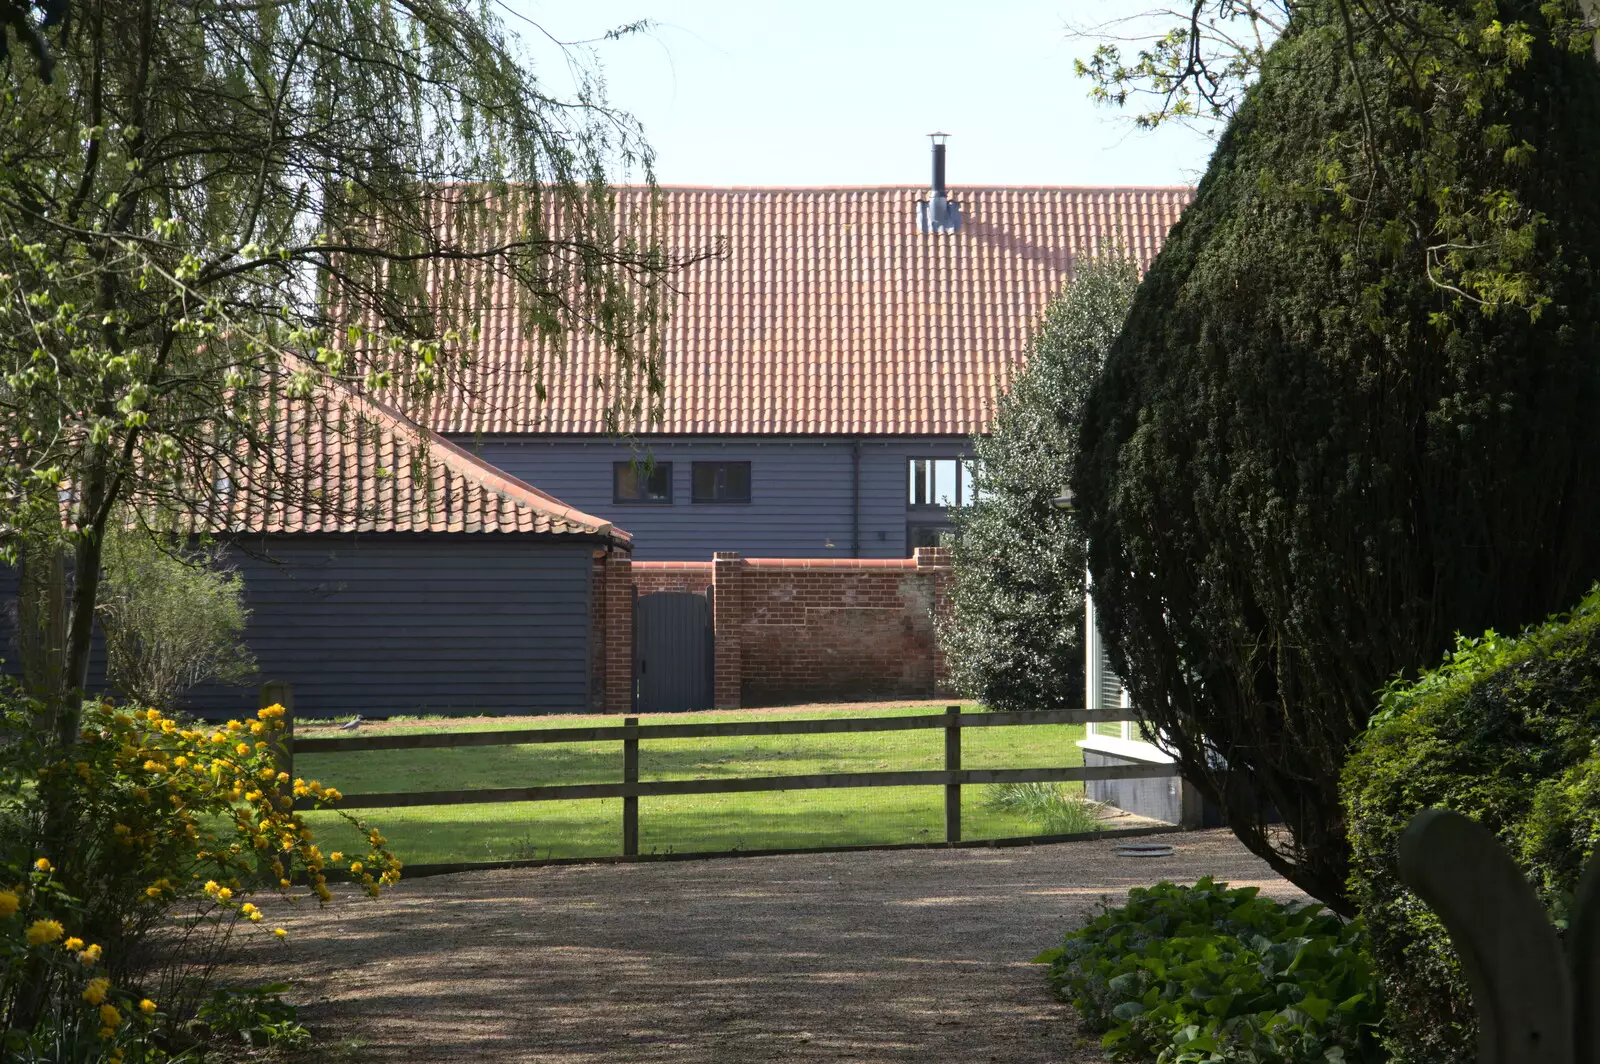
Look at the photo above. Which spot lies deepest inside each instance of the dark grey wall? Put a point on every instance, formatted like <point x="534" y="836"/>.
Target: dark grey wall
<point x="800" y="491"/>
<point x="392" y="624"/>
<point x="387" y="624"/>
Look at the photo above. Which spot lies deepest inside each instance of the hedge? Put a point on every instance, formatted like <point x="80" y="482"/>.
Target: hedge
<point x="1504" y="731"/>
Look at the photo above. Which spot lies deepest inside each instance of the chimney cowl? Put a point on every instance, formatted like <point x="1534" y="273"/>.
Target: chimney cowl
<point x="939" y="213"/>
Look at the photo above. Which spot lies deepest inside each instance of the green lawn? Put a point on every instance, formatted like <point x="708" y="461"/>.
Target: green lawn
<point x="778" y="820"/>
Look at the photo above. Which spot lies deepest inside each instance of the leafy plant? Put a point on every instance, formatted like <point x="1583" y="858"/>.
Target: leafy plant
<point x="1306" y="465"/>
<point x="1212" y="974"/>
<point x="1505" y="730"/>
<point x="257" y="1016"/>
<point x="173" y="617"/>
<point x="110" y="930"/>
<point x="1056" y="810"/>
<point x="1014" y="633"/>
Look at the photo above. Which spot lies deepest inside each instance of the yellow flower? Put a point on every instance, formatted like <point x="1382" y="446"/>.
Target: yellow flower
<point x="108" y="1033"/>
<point x="224" y="894"/>
<point x="9" y="903"/>
<point x="284" y="883"/>
<point x="110" y="1016"/>
<point x="270" y="712"/>
<point x="280" y="932"/>
<point x="242" y="749"/>
<point x="336" y="856"/>
<point x="43" y="931"/>
<point x="152" y="715"/>
<point x="147" y="1007"/>
<point x="219" y="738"/>
<point x="256" y="727"/>
<point x="247" y="908"/>
<point x="355" y="867"/>
<point x="43" y="864"/>
<point x="211" y="886"/>
<point x="72" y="945"/>
<point x="283" y="777"/>
<point x="234" y="725"/>
<point x="95" y="993"/>
<point x="180" y="762"/>
<point x="90" y="955"/>
<point x="153" y="892"/>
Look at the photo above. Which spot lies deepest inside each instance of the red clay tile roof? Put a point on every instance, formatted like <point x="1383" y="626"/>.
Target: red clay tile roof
<point x="343" y="463"/>
<point x="828" y="312"/>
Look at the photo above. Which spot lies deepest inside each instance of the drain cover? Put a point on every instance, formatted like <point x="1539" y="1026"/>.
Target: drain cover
<point x="1144" y="849"/>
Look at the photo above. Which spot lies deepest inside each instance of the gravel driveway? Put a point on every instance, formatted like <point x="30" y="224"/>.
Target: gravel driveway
<point x="919" y="955"/>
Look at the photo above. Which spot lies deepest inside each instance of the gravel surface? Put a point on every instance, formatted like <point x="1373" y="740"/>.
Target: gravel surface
<point x="918" y="955"/>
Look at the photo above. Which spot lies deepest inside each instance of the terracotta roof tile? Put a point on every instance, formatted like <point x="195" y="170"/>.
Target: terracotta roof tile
<point x="827" y="312"/>
<point x="343" y="463"/>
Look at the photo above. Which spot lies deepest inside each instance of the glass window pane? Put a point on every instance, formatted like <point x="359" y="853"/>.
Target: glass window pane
<point x="721" y="482"/>
<point x="944" y="482"/>
<point x="639" y="482"/>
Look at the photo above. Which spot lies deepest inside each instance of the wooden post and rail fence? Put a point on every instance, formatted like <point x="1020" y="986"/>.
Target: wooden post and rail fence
<point x="630" y="733"/>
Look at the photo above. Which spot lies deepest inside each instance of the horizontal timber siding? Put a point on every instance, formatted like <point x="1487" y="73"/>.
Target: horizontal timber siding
<point x="800" y="490"/>
<point x="389" y="624"/>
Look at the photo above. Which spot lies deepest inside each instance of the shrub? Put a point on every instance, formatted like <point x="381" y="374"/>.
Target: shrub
<point x="137" y="860"/>
<point x="1308" y="463"/>
<point x="1049" y="806"/>
<point x="1014" y="635"/>
<point x="173" y="617"/>
<point x="1206" y="973"/>
<point x="1506" y="731"/>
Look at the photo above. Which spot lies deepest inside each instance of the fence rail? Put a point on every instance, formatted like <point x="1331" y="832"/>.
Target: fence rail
<point x="630" y="733"/>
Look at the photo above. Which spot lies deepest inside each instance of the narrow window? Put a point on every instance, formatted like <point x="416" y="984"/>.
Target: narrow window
<point x="638" y="482"/>
<point x="722" y="482"/>
<point x="941" y="482"/>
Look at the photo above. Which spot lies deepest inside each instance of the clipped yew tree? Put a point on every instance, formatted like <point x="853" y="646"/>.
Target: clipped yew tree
<point x="1506" y="731"/>
<point x="1014" y="637"/>
<point x="1353" y="410"/>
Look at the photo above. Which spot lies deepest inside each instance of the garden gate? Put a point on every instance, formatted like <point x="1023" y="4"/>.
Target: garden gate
<point x="672" y="657"/>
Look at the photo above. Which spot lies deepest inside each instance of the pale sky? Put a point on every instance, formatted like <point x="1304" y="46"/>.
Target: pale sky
<point x="831" y="92"/>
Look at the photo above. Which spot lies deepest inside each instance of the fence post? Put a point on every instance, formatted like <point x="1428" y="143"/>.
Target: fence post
<point x="952" y="762"/>
<point x="278" y="693"/>
<point x="630" y="774"/>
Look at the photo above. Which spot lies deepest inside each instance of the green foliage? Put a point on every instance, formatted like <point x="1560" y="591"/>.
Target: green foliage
<point x="1311" y="460"/>
<point x="1051" y="807"/>
<point x="213" y="211"/>
<point x="173" y="617"/>
<point x="1014" y="638"/>
<point x="257" y="1016"/>
<point x="1209" y="974"/>
<point x="163" y="831"/>
<point x="1506" y="731"/>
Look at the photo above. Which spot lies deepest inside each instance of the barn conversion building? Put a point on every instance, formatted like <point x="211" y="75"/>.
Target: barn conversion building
<point x="824" y="373"/>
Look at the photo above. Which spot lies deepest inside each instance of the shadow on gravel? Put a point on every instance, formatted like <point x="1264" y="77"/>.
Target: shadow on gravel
<point x="900" y="956"/>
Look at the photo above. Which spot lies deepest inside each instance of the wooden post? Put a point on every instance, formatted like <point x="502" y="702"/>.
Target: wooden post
<point x="630" y="774"/>
<point x="278" y="693"/>
<point x="952" y="762"/>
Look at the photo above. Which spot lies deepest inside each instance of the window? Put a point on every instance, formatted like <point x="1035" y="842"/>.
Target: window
<point x="721" y="482"/>
<point x="941" y="482"/>
<point x="641" y="482"/>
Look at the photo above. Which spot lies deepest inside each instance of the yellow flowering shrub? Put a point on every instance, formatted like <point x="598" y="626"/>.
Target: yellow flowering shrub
<point x="126" y="863"/>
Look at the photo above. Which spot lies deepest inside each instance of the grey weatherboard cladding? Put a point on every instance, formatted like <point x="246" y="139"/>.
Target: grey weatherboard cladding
<point x="395" y="623"/>
<point x="391" y="624"/>
<point x="801" y="490"/>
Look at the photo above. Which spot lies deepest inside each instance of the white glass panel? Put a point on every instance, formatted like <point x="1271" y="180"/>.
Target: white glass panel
<point x="944" y="481"/>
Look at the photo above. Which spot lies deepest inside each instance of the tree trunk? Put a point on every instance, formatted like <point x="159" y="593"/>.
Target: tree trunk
<point x="42" y="622"/>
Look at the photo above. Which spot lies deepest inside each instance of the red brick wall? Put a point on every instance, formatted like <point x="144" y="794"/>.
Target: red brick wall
<point x="650" y="577"/>
<point x="812" y="630"/>
<point x="793" y="630"/>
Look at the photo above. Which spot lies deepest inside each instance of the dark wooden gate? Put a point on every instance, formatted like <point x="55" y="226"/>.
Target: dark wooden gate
<point x="672" y="652"/>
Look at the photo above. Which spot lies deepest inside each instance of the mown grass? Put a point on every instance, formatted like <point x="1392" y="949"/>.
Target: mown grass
<point x="719" y="822"/>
